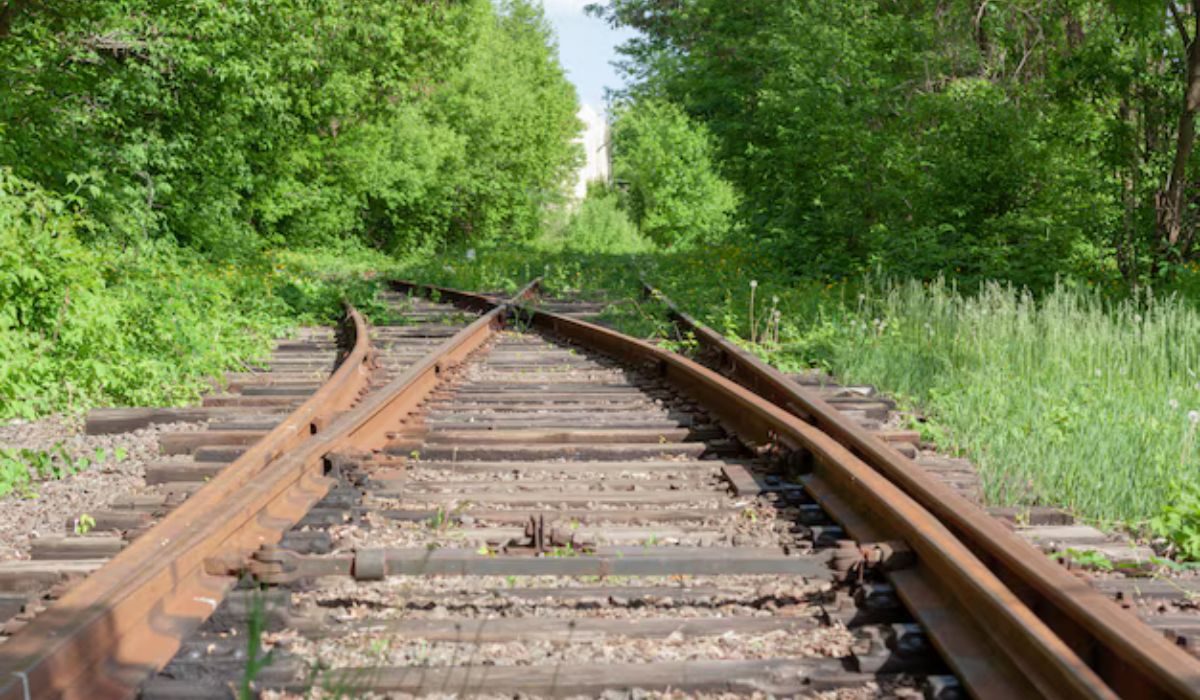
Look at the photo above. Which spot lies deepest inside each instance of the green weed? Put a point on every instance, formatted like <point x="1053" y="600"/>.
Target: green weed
<point x="1079" y="397"/>
<point x="1088" y="559"/>
<point x="1179" y="520"/>
<point x="256" y="660"/>
<point x="84" y="524"/>
<point x="20" y="468"/>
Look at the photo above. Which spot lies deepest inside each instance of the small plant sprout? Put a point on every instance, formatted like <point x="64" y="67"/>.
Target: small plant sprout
<point x="256" y="659"/>
<point x="440" y="519"/>
<point x="84" y="524"/>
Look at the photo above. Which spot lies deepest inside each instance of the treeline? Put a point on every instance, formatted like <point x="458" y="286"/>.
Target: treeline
<point x="1018" y="140"/>
<point x="227" y="126"/>
<point x="160" y="162"/>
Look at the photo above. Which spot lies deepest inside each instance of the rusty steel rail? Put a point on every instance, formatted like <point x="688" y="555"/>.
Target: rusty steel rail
<point x="1131" y="658"/>
<point x="480" y="303"/>
<point x="127" y="619"/>
<point x="997" y="642"/>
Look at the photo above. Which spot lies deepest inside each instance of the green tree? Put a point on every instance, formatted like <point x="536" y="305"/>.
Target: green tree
<point x="227" y="126"/>
<point x="665" y="162"/>
<point x="516" y="110"/>
<point x="1019" y="140"/>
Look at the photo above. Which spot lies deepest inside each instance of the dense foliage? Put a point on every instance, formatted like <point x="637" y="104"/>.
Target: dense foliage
<point x="664" y="163"/>
<point x="87" y="323"/>
<point x="599" y="224"/>
<point x="226" y="125"/>
<point x="155" y="156"/>
<point x="1019" y="140"/>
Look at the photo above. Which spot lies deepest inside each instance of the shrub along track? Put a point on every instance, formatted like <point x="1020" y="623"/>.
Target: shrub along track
<point x="635" y="507"/>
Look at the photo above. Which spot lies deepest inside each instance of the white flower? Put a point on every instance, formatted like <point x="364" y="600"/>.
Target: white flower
<point x="1173" y="404"/>
<point x="774" y="300"/>
<point x="1194" y="416"/>
<point x="1098" y="372"/>
<point x="470" y="253"/>
<point x="862" y="297"/>
<point x="753" y="284"/>
<point x="1137" y="318"/>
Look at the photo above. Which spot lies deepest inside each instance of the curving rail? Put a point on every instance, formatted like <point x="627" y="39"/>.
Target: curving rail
<point x="1130" y="658"/>
<point x="100" y="638"/>
<point x="1010" y="623"/>
<point x="126" y="620"/>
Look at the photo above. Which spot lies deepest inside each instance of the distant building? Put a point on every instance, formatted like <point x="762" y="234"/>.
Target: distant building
<point x="597" y="163"/>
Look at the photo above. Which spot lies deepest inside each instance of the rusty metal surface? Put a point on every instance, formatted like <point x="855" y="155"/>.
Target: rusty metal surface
<point x="1132" y="659"/>
<point x="106" y="623"/>
<point x="481" y="303"/>
<point x="126" y="620"/>
<point x="1006" y="644"/>
<point x="102" y="638"/>
<point x="1039" y="659"/>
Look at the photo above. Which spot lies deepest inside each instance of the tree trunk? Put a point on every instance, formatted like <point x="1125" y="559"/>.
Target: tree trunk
<point x="8" y="11"/>
<point x="1171" y="200"/>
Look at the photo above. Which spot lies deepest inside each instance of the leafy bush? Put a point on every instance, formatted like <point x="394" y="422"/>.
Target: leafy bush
<point x="601" y="226"/>
<point x="665" y="162"/>
<point x="159" y="170"/>
<point x="82" y="325"/>
<point x="1179" y="520"/>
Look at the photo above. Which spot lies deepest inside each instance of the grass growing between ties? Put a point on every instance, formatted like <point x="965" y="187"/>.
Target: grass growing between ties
<point x="1075" y="398"/>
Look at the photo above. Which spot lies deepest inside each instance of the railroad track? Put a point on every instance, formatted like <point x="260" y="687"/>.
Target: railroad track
<point x="552" y="508"/>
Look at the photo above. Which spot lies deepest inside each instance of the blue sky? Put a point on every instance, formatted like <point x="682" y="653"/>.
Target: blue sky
<point x="586" y="45"/>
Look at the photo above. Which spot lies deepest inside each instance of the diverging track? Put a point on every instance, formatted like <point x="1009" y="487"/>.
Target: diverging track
<point x="557" y="509"/>
<point x="127" y="619"/>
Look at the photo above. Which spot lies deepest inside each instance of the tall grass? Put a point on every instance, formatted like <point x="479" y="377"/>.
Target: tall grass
<point x="1067" y="399"/>
<point x="1077" y="398"/>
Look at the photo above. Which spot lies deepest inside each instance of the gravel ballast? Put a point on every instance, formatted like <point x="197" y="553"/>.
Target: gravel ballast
<point x="46" y="507"/>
